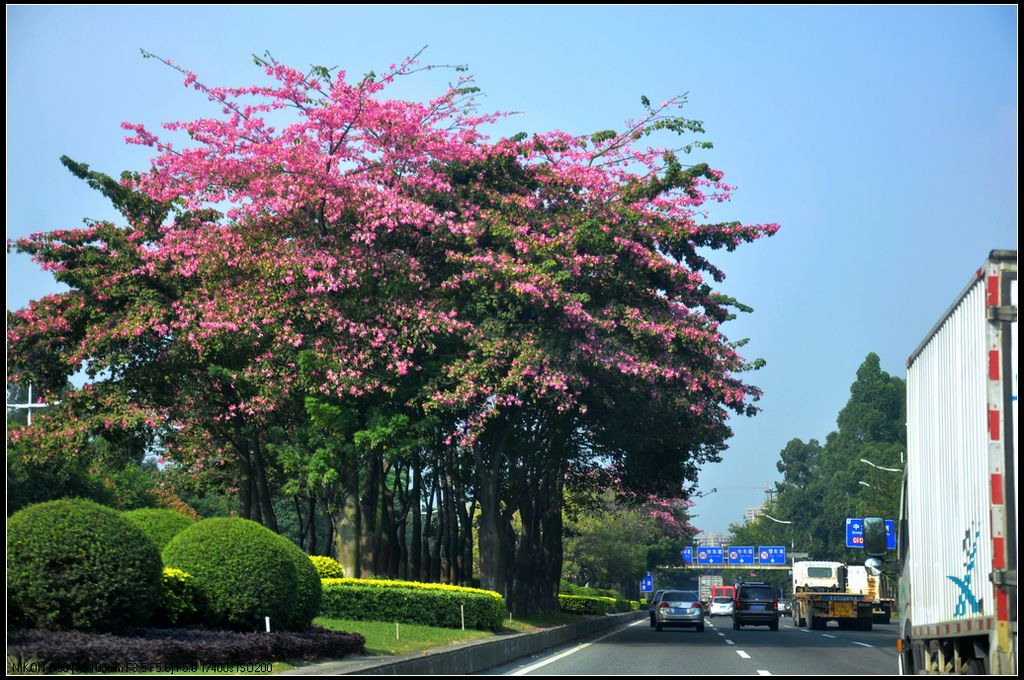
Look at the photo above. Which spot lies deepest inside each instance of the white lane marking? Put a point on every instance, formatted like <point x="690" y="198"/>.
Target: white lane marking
<point x="545" y="662"/>
<point x="863" y="644"/>
<point x="763" y="673"/>
<point x="720" y="634"/>
<point x="828" y="636"/>
<point x="743" y="655"/>
<point x="729" y="642"/>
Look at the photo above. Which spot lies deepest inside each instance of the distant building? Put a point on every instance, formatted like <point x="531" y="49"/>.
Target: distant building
<point x="753" y="513"/>
<point x="713" y="539"/>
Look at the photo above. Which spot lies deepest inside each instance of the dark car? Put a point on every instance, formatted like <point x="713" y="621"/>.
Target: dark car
<point x="756" y="604"/>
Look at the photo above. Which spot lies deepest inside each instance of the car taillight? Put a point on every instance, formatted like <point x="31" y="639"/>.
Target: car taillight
<point x="775" y="603"/>
<point x="663" y="605"/>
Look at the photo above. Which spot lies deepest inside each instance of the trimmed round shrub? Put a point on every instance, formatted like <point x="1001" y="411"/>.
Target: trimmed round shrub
<point x="307" y="606"/>
<point x="73" y="564"/>
<point x="327" y="567"/>
<point x="243" y="572"/>
<point x="160" y="524"/>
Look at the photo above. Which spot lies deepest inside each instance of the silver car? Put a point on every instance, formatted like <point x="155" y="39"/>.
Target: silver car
<point x="680" y="608"/>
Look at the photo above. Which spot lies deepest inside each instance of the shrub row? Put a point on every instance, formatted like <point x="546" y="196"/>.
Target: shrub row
<point x="430" y="604"/>
<point x="566" y="588"/>
<point x="145" y="649"/>
<point x="578" y="604"/>
<point x="76" y="565"/>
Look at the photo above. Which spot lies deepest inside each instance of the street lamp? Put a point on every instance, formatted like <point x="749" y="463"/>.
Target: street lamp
<point x="879" y="467"/>
<point x="792" y="540"/>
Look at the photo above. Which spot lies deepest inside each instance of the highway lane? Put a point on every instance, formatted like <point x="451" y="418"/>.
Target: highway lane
<point x="638" y="649"/>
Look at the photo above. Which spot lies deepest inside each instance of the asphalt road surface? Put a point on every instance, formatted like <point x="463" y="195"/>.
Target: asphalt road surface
<point x="638" y="649"/>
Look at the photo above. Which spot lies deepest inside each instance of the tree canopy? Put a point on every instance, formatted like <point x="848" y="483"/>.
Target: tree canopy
<point x="367" y="304"/>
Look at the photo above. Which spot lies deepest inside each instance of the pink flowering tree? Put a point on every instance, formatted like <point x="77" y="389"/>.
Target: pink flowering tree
<point x="471" y="324"/>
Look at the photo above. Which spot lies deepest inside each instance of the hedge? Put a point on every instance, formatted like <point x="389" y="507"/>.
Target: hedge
<point x="429" y="604"/>
<point x="596" y="606"/>
<point x="169" y="650"/>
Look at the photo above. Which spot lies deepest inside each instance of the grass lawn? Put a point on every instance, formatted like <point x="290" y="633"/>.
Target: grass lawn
<point x="381" y="641"/>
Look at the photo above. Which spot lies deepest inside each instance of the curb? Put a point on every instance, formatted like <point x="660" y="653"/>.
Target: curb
<point x="469" y="657"/>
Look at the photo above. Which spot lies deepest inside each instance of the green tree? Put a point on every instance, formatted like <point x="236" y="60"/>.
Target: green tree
<point x="822" y="486"/>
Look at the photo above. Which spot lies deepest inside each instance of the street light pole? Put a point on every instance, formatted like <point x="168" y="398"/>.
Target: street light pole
<point x="879" y="467"/>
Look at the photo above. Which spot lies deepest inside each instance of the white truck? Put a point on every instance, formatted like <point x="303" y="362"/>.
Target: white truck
<point x="957" y="535"/>
<point x="877" y="589"/>
<point x="821" y="593"/>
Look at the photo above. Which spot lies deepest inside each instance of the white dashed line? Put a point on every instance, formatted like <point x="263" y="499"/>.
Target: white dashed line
<point x="763" y="673"/>
<point x="833" y="637"/>
<point x="743" y="655"/>
<point x="729" y="642"/>
<point x="863" y="644"/>
<point x="545" y="662"/>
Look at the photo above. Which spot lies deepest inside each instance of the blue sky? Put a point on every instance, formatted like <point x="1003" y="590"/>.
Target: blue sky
<point x="882" y="139"/>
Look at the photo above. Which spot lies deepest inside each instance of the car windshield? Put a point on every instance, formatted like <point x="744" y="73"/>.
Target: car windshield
<point x="757" y="593"/>
<point x="680" y="596"/>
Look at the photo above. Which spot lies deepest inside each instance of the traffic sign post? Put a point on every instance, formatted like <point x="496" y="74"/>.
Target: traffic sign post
<point x="741" y="554"/>
<point x="772" y="554"/>
<point x="647" y="584"/>
<point x="855" y="533"/>
<point x="707" y="556"/>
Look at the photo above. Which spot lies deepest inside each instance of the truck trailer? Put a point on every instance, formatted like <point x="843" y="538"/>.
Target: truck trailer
<point x="957" y="536"/>
<point x="821" y="593"/>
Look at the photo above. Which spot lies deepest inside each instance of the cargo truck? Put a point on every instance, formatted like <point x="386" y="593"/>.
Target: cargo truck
<point x="877" y="589"/>
<point x="957" y="535"/>
<point x="708" y="584"/>
<point x="821" y="593"/>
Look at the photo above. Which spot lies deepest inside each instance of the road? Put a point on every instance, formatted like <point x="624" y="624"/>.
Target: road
<point x="638" y="649"/>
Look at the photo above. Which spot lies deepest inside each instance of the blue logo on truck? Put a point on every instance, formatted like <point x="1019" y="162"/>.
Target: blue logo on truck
<point x="968" y="603"/>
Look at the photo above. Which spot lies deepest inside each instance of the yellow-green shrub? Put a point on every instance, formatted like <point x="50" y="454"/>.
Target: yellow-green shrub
<point x="327" y="567"/>
<point x="179" y="601"/>
<point x="578" y="604"/>
<point x="430" y="604"/>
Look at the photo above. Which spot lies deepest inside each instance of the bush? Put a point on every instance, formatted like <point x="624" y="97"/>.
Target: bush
<point x="327" y="567"/>
<point x="74" y="564"/>
<point x="307" y="606"/>
<point x="243" y="572"/>
<point x="180" y="603"/>
<point x="587" y="606"/>
<point x="144" y="649"/>
<point x="429" y="604"/>
<point x="159" y="524"/>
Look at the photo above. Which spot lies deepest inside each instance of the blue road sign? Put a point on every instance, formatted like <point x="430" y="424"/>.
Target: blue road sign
<point x="741" y="554"/>
<point x="647" y="584"/>
<point x="688" y="555"/>
<point x="855" y="533"/>
<point x="710" y="555"/>
<point x="772" y="554"/>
